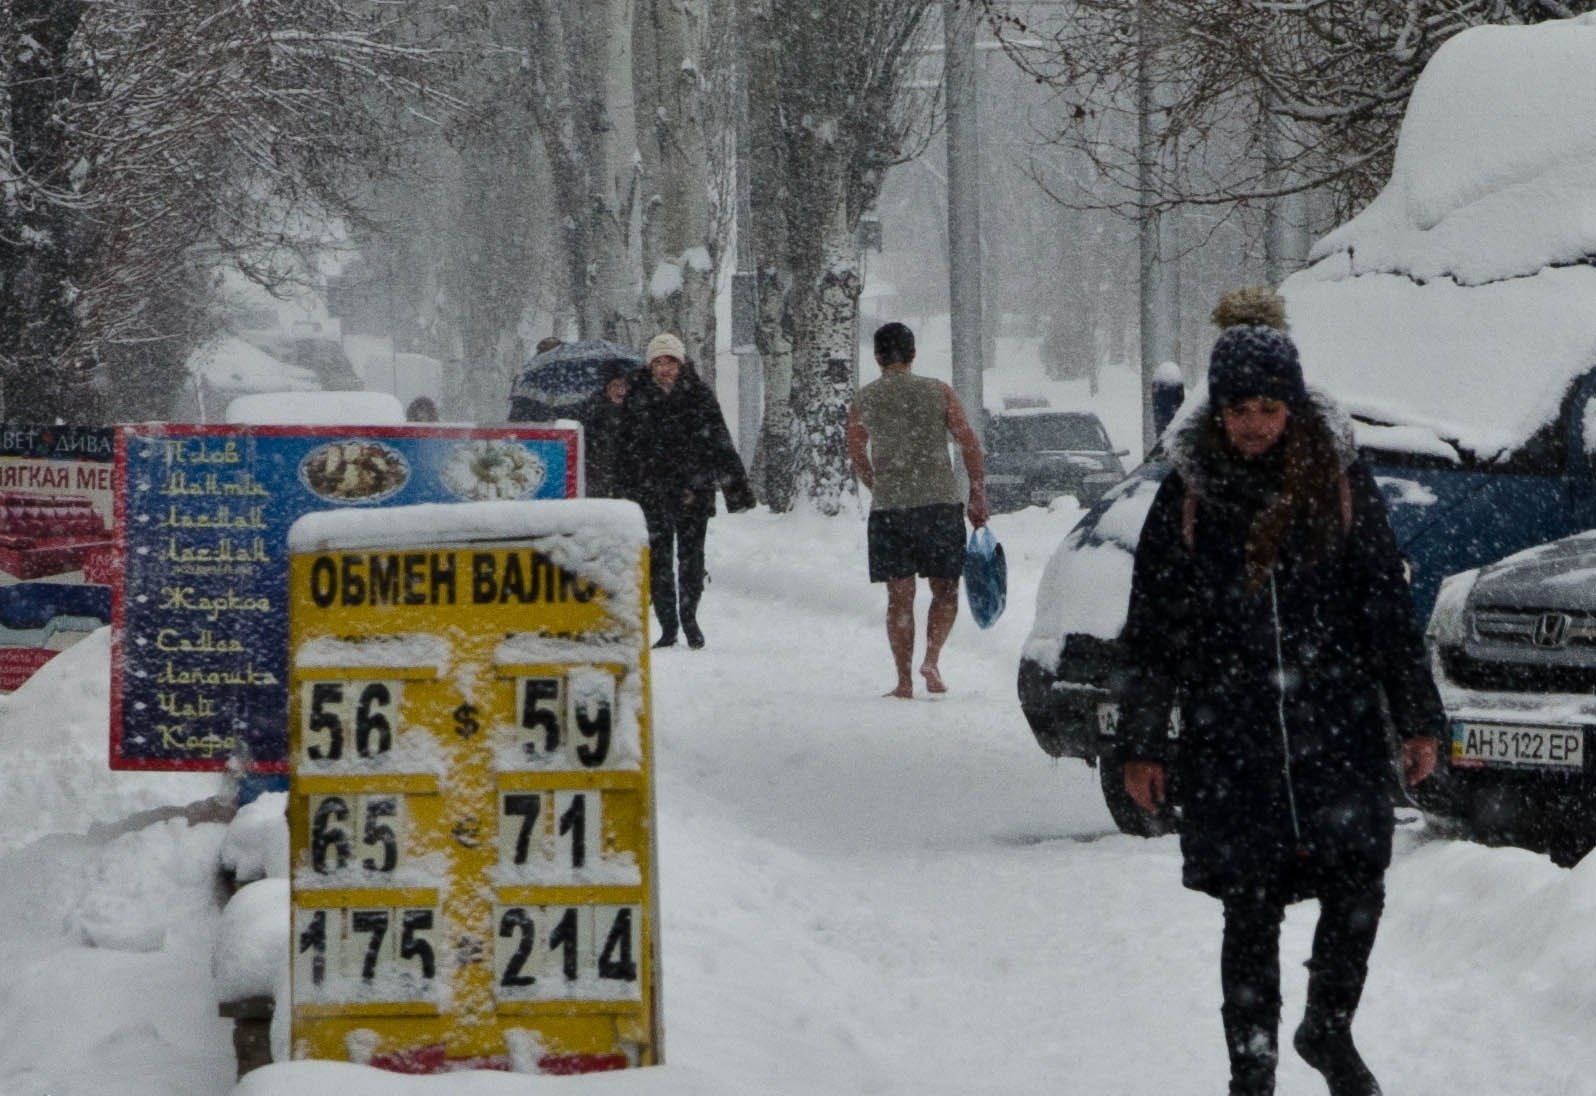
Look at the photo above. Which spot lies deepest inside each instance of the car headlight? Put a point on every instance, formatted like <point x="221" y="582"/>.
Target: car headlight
<point x="1449" y="620"/>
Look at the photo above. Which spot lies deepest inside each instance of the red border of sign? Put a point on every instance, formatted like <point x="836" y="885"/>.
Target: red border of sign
<point x="573" y="486"/>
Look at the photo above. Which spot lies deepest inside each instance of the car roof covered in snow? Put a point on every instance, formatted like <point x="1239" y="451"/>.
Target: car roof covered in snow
<point x="1459" y="300"/>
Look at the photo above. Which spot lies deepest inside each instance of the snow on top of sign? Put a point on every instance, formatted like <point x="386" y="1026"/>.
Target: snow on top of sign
<point x="603" y="522"/>
<point x="317" y="409"/>
<point x="599" y="540"/>
<point x="536" y="649"/>
<point x="421" y="651"/>
<point x="607" y="869"/>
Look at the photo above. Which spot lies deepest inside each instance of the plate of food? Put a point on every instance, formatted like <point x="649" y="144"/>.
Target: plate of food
<point x="354" y="471"/>
<point x="493" y="468"/>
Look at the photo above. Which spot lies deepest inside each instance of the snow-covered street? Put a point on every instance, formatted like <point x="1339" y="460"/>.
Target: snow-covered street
<point x="859" y="895"/>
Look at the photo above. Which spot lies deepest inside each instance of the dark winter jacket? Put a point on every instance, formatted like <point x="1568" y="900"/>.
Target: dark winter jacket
<point x="675" y="449"/>
<point x="603" y="427"/>
<point x="1284" y="761"/>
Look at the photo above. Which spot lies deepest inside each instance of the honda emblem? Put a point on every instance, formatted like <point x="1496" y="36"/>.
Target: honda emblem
<point x="1551" y="630"/>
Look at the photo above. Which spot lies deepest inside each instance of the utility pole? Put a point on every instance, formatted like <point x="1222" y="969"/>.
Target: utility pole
<point x="1286" y="217"/>
<point x="1159" y="249"/>
<point x="745" y="290"/>
<point x="964" y="208"/>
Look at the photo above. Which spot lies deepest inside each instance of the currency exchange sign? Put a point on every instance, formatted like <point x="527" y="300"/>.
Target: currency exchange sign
<point x="200" y="628"/>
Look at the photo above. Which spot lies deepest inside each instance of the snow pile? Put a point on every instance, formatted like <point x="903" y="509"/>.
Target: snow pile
<point x="1460" y="298"/>
<point x="55" y="739"/>
<point x="252" y="943"/>
<point x="231" y="364"/>
<point x="1495" y="170"/>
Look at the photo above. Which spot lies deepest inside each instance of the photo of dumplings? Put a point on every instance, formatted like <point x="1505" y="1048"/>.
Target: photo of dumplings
<point x="493" y="468"/>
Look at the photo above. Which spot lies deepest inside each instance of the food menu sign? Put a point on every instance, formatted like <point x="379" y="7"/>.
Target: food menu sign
<point x="55" y="542"/>
<point x="200" y="630"/>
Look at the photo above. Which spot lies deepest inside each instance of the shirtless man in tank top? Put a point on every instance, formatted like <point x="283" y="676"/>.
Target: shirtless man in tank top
<point x="898" y="430"/>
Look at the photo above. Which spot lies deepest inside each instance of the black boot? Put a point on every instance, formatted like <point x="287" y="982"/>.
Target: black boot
<point x="1252" y="1038"/>
<point x="666" y="639"/>
<point x="695" y="637"/>
<point x="1324" y="1038"/>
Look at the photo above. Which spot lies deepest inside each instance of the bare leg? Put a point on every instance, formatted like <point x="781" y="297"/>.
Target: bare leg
<point x="938" y="623"/>
<point x="900" y="632"/>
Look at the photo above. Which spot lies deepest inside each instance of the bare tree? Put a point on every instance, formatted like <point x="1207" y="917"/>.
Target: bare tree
<point x="831" y="109"/>
<point x="1339" y="70"/>
<point x="578" y="87"/>
<point x="682" y="78"/>
<point x="141" y="141"/>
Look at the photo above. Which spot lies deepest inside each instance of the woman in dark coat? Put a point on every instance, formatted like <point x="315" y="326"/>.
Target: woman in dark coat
<point x="603" y="418"/>
<point x="1268" y="605"/>
<point x="674" y="452"/>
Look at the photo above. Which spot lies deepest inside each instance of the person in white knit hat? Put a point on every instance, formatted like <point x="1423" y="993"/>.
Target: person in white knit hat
<point x="674" y="452"/>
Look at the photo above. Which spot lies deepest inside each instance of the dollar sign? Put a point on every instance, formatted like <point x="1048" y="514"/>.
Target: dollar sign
<point x="465" y="719"/>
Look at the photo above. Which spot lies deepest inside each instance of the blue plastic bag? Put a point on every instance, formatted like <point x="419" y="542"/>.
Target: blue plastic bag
<point x="986" y="577"/>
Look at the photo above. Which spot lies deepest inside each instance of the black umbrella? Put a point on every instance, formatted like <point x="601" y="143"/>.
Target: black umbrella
<point x="556" y="381"/>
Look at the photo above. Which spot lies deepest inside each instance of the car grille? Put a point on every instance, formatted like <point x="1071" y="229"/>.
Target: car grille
<point x="1516" y="677"/>
<point x="1503" y="626"/>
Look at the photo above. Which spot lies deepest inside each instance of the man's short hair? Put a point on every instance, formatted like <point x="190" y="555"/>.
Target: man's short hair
<point x="894" y="344"/>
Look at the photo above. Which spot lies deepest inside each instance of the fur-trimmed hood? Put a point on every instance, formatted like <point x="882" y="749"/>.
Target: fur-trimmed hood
<point x="1185" y="435"/>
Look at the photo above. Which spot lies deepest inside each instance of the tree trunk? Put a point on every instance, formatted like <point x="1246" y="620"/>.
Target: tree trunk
<point x="607" y="135"/>
<point x="824" y="387"/>
<point x="680" y="255"/>
<point x="774" y="473"/>
<point x="580" y="95"/>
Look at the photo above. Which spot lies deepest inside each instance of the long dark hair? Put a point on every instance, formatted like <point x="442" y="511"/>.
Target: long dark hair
<point x="1301" y="503"/>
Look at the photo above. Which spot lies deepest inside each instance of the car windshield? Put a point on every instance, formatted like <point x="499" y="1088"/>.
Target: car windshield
<point x="1035" y="433"/>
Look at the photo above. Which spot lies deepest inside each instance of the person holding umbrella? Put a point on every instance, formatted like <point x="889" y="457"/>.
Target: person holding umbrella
<point x="674" y="451"/>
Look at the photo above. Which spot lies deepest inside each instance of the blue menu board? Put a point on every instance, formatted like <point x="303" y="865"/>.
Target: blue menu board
<point x="199" y="642"/>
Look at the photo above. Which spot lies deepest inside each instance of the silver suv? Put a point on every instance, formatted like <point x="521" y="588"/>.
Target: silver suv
<point x="1513" y="649"/>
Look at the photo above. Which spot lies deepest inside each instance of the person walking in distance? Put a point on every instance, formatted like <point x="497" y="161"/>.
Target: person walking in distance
<point x="603" y="418"/>
<point x="1268" y="604"/>
<point x="673" y="451"/>
<point x="898" y="430"/>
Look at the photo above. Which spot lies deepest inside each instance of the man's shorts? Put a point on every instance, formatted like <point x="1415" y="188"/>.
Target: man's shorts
<point x="917" y="540"/>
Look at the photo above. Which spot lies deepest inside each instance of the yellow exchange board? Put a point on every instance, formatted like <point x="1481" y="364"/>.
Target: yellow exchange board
<point x="471" y="810"/>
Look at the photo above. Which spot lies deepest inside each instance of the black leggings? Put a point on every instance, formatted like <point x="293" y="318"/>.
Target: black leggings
<point x="1249" y="958"/>
<point x="675" y="538"/>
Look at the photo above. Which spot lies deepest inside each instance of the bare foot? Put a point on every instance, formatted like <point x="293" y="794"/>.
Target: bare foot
<point x="933" y="680"/>
<point x="904" y="691"/>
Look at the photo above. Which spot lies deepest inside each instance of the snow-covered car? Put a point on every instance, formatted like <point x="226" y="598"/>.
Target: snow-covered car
<point x="1513" y="648"/>
<point x="1035" y="455"/>
<point x="227" y="368"/>
<point x="1451" y="318"/>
